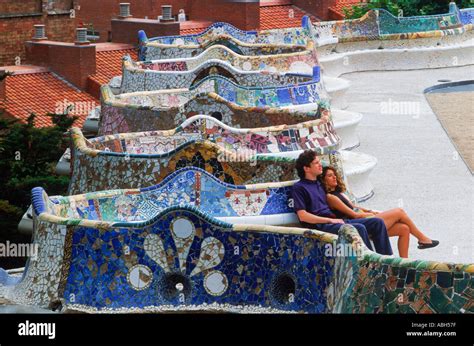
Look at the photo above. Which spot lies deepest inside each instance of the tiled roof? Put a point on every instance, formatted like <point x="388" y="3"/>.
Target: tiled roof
<point x="340" y="4"/>
<point x="109" y="64"/>
<point x="279" y="17"/>
<point x="193" y="26"/>
<point x="43" y="93"/>
<point x="191" y="31"/>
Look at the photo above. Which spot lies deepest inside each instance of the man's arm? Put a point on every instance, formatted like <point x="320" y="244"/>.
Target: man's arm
<point x="307" y="217"/>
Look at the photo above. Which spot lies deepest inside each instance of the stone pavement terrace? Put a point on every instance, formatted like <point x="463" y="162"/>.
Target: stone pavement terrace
<point x="418" y="167"/>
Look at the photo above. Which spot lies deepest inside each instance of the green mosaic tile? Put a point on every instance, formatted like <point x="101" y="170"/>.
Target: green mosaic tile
<point x="459" y="301"/>
<point x="460" y="285"/>
<point x="438" y="299"/>
<point x="406" y="309"/>
<point x="392" y="307"/>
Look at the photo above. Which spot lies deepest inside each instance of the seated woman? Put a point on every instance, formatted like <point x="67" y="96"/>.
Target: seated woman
<point x="396" y="220"/>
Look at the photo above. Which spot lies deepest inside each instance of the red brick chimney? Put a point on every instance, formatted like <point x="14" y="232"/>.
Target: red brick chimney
<point x="73" y="61"/>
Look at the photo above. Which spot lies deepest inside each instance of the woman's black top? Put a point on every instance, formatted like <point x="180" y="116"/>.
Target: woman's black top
<point x="344" y="200"/>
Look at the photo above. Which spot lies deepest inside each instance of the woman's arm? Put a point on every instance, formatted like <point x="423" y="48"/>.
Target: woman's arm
<point x="336" y="204"/>
<point x="358" y="207"/>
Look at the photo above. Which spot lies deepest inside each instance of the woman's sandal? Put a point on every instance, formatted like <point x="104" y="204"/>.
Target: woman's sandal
<point x="428" y="245"/>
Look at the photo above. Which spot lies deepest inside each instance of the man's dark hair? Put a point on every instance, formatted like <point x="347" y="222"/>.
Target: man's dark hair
<point x="304" y="160"/>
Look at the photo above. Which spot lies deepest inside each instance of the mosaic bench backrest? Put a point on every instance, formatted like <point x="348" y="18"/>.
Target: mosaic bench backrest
<point x="94" y="170"/>
<point x="136" y="113"/>
<point x="139" y="264"/>
<point x="154" y="50"/>
<point x="273" y="96"/>
<point x="302" y="62"/>
<point x="467" y="16"/>
<point x="318" y="135"/>
<point x="139" y="77"/>
<point x="188" y="186"/>
<point x="215" y="29"/>
<point x="380" y="24"/>
<point x="280" y="36"/>
<point x="94" y="265"/>
<point x="218" y="31"/>
<point x="389" y="24"/>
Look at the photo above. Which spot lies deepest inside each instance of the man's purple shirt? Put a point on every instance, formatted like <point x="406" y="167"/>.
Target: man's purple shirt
<point x="309" y="195"/>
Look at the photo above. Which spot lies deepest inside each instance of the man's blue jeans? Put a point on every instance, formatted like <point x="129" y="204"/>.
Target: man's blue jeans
<point x="372" y="226"/>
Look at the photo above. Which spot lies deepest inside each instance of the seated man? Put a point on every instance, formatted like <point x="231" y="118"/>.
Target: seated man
<point x="311" y="206"/>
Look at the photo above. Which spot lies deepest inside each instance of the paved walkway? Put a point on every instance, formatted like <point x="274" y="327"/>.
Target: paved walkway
<point x="418" y="167"/>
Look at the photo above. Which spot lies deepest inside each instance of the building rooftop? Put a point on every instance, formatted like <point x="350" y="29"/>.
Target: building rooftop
<point x="282" y="16"/>
<point x="109" y="60"/>
<point x="36" y="90"/>
<point x="340" y="4"/>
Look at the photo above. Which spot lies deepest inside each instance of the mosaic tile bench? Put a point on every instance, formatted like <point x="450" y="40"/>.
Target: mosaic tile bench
<point x="232" y="104"/>
<point x="254" y="42"/>
<point x="316" y="134"/>
<point x="382" y="25"/>
<point x="288" y="62"/>
<point x="144" y="77"/>
<point x="153" y="50"/>
<point x="149" y="163"/>
<point x="139" y="159"/>
<point x="181" y="259"/>
<point x="275" y="36"/>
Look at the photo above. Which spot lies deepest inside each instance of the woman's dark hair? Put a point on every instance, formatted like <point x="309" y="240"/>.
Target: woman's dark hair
<point x="341" y="187"/>
<point x="304" y="160"/>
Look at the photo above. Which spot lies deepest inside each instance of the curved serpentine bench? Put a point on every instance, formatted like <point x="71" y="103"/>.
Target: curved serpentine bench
<point x="255" y="42"/>
<point x="289" y="62"/>
<point x="153" y="50"/>
<point x="126" y="251"/>
<point x="273" y="36"/>
<point x="236" y="105"/>
<point x="398" y="59"/>
<point x="232" y="104"/>
<point x="316" y="134"/>
<point x="380" y="28"/>
<point x="140" y="159"/>
<point x="145" y="77"/>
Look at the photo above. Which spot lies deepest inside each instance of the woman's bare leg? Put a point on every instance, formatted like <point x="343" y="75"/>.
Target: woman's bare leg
<point x="393" y="216"/>
<point x="403" y="232"/>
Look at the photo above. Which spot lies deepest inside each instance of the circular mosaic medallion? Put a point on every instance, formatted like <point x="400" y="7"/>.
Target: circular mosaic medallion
<point x="247" y="66"/>
<point x="215" y="283"/>
<point x="182" y="228"/>
<point x="140" y="277"/>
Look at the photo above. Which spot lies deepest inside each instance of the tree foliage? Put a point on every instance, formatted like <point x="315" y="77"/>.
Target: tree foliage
<point x="28" y="156"/>
<point x="405" y="8"/>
